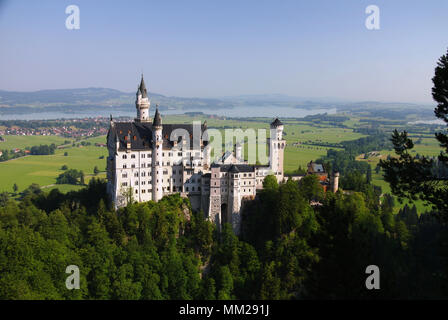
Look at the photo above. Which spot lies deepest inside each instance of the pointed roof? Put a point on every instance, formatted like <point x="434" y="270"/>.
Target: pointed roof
<point x="157" y="118"/>
<point x="142" y="88"/>
<point x="276" y="123"/>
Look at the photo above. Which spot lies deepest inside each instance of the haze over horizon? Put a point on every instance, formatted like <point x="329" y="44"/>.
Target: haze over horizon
<point x="215" y="49"/>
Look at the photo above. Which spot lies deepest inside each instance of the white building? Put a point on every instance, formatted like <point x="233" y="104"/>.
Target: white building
<point x="145" y="163"/>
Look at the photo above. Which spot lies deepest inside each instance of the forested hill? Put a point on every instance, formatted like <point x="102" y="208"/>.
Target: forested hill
<point x="288" y="250"/>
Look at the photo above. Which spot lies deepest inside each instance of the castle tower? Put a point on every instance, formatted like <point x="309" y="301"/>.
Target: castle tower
<point x="157" y="169"/>
<point x="216" y="208"/>
<point x="142" y="103"/>
<point x="234" y="205"/>
<point x="276" y="149"/>
<point x="335" y="182"/>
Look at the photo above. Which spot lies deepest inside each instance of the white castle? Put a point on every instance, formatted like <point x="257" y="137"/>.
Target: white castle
<point x="145" y="163"/>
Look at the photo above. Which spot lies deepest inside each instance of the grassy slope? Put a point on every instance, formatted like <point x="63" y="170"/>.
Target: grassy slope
<point x="44" y="169"/>
<point x="29" y="141"/>
<point x="428" y="147"/>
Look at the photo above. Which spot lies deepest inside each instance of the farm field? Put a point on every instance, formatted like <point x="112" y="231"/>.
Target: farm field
<point x="43" y="170"/>
<point x="428" y="147"/>
<point x="21" y="142"/>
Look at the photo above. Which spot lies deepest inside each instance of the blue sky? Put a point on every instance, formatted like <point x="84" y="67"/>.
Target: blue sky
<point x="215" y="48"/>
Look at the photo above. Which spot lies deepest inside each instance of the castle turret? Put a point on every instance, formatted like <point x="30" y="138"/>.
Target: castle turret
<point x="157" y="168"/>
<point x="335" y="182"/>
<point x="276" y="149"/>
<point x="142" y="103"/>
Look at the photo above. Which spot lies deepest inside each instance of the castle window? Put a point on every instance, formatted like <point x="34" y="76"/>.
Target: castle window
<point x="186" y="189"/>
<point x="199" y="188"/>
<point x="124" y="166"/>
<point x="136" y="174"/>
<point x="143" y="155"/>
<point x="136" y="183"/>
<point x="132" y="156"/>
<point x="132" y="165"/>
<point x="124" y="184"/>
<point x="179" y="154"/>
<point x="143" y="191"/>
<point x="192" y="188"/>
<point x="136" y="191"/>
<point x="168" y="163"/>
<point x="124" y="175"/>
<point x="124" y="156"/>
<point x="143" y="182"/>
<point x="163" y="154"/>
<point x="143" y="165"/>
<point x="143" y="173"/>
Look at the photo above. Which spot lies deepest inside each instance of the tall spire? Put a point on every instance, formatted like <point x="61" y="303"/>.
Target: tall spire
<point x="157" y="118"/>
<point x="142" y="88"/>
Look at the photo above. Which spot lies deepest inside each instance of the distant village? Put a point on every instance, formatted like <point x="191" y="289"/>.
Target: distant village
<point x="69" y="128"/>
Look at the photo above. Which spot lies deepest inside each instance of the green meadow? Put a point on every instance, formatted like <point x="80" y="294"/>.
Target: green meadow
<point x="44" y="170"/>
<point x="22" y="142"/>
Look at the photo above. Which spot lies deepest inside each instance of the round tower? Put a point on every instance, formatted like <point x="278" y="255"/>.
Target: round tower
<point x="142" y="103"/>
<point x="335" y="184"/>
<point x="276" y="149"/>
<point x="157" y="169"/>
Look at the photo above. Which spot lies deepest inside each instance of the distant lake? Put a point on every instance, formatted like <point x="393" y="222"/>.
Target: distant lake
<point x="237" y="112"/>
<point x="437" y="121"/>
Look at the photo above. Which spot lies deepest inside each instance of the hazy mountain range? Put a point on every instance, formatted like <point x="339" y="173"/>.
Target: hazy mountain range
<point x="80" y="100"/>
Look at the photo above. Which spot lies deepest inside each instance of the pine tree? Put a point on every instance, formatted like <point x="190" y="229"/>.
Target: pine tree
<point x="413" y="177"/>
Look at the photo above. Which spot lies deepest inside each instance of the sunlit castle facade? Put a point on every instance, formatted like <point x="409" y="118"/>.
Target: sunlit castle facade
<point x="146" y="163"/>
